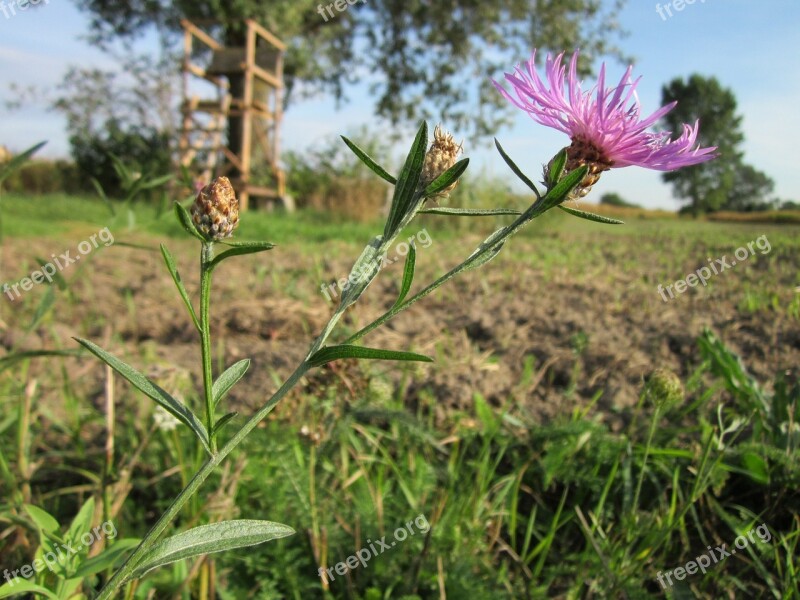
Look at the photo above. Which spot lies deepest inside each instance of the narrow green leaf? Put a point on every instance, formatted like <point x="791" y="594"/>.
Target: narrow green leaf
<point x="177" y="409"/>
<point x="176" y="277"/>
<point x="446" y="179"/>
<point x="185" y="219"/>
<point x="19" y="586"/>
<point x="564" y="188"/>
<point x="156" y="182"/>
<point x="240" y="249"/>
<point x="408" y="181"/>
<point x="470" y="212"/>
<point x="224" y="421"/>
<point x="408" y="274"/>
<point x="488" y="249"/>
<point x="82" y="521"/>
<point x="208" y="539"/>
<point x="364" y="271"/>
<point x="367" y="160"/>
<point x="57" y="277"/>
<point x="12" y="359"/>
<point x="16" y="162"/>
<point x="556" y="170"/>
<point x="517" y="171"/>
<point x="332" y="353"/>
<point x="107" y="559"/>
<point x="228" y="379"/>
<point x="43" y="520"/>
<point x="102" y="193"/>
<point x="590" y="216"/>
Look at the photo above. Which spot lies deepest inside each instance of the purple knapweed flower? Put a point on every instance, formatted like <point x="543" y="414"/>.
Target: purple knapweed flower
<point x="604" y="124"/>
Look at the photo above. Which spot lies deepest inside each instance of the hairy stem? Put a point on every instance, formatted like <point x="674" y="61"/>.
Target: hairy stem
<point x="206" y="256"/>
<point x="161" y="525"/>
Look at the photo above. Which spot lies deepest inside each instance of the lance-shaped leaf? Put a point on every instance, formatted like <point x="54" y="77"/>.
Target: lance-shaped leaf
<point x="364" y="271"/>
<point x="176" y="277"/>
<point x="408" y="274"/>
<point x="19" y="586"/>
<point x="239" y="249"/>
<point x="590" y="216"/>
<point x="517" y="171"/>
<point x="488" y="249"/>
<point x="177" y="409"/>
<point x="208" y="539"/>
<point x="185" y="219"/>
<point x="332" y="353"/>
<point x="15" y="163"/>
<point x="470" y="212"/>
<point x="407" y="183"/>
<point x="446" y="179"/>
<point x="555" y="170"/>
<point x="367" y="160"/>
<point x="224" y="421"/>
<point x="228" y="379"/>
<point x="109" y="558"/>
<point x="561" y="191"/>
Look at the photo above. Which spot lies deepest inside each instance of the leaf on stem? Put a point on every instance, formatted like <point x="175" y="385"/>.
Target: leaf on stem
<point x="332" y="353"/>
<point x="109" y="558"/>
<point x="228" y="379"/>
<point x="185" y="219"/>
<point x="517" y="171"/>
<point x="177" y="409"/>
<point x="240" y="249"/>
<point x="561" y="191"/>
<point x="470" y="212"/>
<point x="364" y="270"/>
<point x="367" y="160"/>
<point x="446" y="179"/>
<point x="176" y="277"/>
<point x="590" y="216"/>
<point x="408" y="274"/>
<point x="555" y="170"/>
<point x="407" y="183"/>
<point x="16" y="162"/>
<point x="207" y="539"/>
<point x="224" y="421"/>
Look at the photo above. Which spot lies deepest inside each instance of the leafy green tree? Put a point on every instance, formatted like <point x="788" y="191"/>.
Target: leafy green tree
<point x="422" y="59"/>
<point x="724" y="183"/>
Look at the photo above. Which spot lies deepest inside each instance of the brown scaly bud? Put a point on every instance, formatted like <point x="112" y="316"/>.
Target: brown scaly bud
<point x="441" y="156"/>
<point x="582" y="152"/>
<point x="215" y="211"/>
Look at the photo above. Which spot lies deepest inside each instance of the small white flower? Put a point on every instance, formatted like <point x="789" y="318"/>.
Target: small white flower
<point x="164" y="420"/>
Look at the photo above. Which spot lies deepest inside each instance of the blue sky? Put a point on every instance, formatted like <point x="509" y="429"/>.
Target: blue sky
<point x="751" y="47"/>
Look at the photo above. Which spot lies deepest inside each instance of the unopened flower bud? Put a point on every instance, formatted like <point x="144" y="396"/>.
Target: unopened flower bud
<point x="215" y="211"/>
<point x="664" y="388"/>
<point x="441" y="156"/>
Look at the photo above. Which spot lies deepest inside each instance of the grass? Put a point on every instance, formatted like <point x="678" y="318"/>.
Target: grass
<point x="579" y="505"/>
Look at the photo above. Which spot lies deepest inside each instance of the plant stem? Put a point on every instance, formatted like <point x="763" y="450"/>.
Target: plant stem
<point x="161" y="525"/>
<point x="206" y="256"/>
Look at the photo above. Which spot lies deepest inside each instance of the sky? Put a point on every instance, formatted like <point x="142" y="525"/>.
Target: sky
<point x="751" y="46"/>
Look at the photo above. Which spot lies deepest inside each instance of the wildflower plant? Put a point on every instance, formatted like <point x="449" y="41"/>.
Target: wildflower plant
<point x="604" y="134"/>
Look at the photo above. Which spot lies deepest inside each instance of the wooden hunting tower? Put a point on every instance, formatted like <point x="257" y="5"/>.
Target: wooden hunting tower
<point x="234" y="130"/>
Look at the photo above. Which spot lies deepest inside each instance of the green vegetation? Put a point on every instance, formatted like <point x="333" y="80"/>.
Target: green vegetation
<point x="595" y="501"/>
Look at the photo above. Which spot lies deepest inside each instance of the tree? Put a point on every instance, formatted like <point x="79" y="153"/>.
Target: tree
<point x="423" y="59"/>
<point x="614" y="199"/>
<point x="726" y="182"/>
